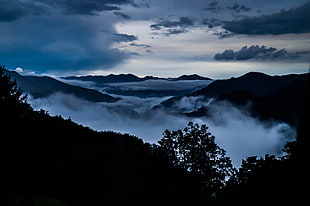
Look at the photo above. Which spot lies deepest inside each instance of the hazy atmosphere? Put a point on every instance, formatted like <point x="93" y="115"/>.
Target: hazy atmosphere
<point x="240" y="134"/>
<point x="174" y="102"/>
<point x="164" y="38"/>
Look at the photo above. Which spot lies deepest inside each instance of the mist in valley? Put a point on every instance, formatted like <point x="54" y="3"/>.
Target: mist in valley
<point x="235" y="130"/>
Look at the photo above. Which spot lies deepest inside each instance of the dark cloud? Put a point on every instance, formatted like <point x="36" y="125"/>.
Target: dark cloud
<point x="283" y="54"/>
<point x="292" y="21"/>
<point x="176" y="31"/>
<point x="223" y="34"/>
<point x="251" y="52"/>
<point x="61" y="35"/>
<point x="149" y="51"/>
<point x="211" y="23"/>
<point x="125" y="16"/>
<point x="124" y="37"/>
<point x="213" y="6"/>
<point x="141" y="45"/>
<point x="258" y="52"/>
<point x="8" y="14"/>
<point x="86" y="6"/>
<point x="89" y="7"/>
<point x="173" y="27"/>
<point x="228" y="54"/>
<point x="12" y="10"/>
<point x="183" y="22"/>
<point x="59" y="42"/>
<point x="239" y="8"/>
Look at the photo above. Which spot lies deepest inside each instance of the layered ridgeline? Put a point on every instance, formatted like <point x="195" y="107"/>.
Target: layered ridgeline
<point x="44" y="86"/>
<point x="49" y="160"/>
<point x="266" y="97"/>
<point x="143" y="87"/>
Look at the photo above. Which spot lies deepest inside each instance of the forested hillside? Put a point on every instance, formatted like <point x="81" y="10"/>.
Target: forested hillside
<point x="49" y="160"/>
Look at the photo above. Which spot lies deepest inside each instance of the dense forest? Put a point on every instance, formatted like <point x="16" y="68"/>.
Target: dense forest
<point x="49" y="160"/>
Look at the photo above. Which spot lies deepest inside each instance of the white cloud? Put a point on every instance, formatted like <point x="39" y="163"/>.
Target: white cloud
<point x="241" y="135"/>
<point x="238" y="133"/>
<point x="162" y="84"/>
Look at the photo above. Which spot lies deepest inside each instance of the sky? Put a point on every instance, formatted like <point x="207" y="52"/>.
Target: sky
<point x="165" y="38"/>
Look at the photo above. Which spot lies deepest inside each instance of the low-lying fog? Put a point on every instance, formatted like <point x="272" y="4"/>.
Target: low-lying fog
<point x="235" y="130"/>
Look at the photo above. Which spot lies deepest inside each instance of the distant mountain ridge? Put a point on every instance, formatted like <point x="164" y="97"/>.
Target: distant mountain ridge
<point x="43" y="86"/>
<point x="271" y="97"/>
<point x="104" y="88"/>
<point x="144" y="87"/>
<point x="120" y="78"/>
<point x="256" y="83"/>
<point x="192" y="77"/>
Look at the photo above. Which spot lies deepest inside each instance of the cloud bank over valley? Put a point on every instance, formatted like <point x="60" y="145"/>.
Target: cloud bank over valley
<point x="239" y="133"/>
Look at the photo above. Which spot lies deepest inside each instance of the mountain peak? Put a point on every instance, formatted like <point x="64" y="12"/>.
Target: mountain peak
<point x="192" y="77"/>
<point x="254" y="75"/>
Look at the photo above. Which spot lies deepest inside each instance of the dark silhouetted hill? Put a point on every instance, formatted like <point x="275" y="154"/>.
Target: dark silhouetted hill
<point x="48" y="160"/>
<point x="269" y="97"/>
<point x="192" y="77"/>
<point x="258" y="84"/>
<point x="122" y="78"/>
<point x="271" y="180"/>
<point x="43" y="86"/>
<point x="112" y="78"/>
<point x="150" y="86"/>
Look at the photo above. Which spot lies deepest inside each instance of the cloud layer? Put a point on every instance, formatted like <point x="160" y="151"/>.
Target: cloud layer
<point x="238" y="133"/>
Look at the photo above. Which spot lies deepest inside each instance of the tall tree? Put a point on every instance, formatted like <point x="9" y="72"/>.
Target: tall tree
<point x="13" y="104"/>
<point x="194" y="150"/>
<point x="9" y="92"/>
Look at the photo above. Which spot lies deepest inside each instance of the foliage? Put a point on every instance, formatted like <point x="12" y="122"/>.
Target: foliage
<point x="276" y="179"/>
<point x="9" y="92"/>
<point x="48" y="156"/>
<point x="13" y="104"/>
<point x="194" y="150"/>
<point x="50" y="159"/>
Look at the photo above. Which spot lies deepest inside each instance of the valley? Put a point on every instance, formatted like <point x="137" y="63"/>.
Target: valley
<point x="267" y="108"/>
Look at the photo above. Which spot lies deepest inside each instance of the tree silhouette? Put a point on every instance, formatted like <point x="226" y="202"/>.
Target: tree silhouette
<point x="13" y="104"/>
<point x="195" y="151"/>
<point x="10" y="92"/>
<point x="49" y="159"/>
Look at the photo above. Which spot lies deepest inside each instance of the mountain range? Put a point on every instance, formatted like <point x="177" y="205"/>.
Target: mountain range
<point x="43" y="86"/>
<point x="270" y="97"/>
<point x="112" y="78"/>
<point x="48" y="160"/>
